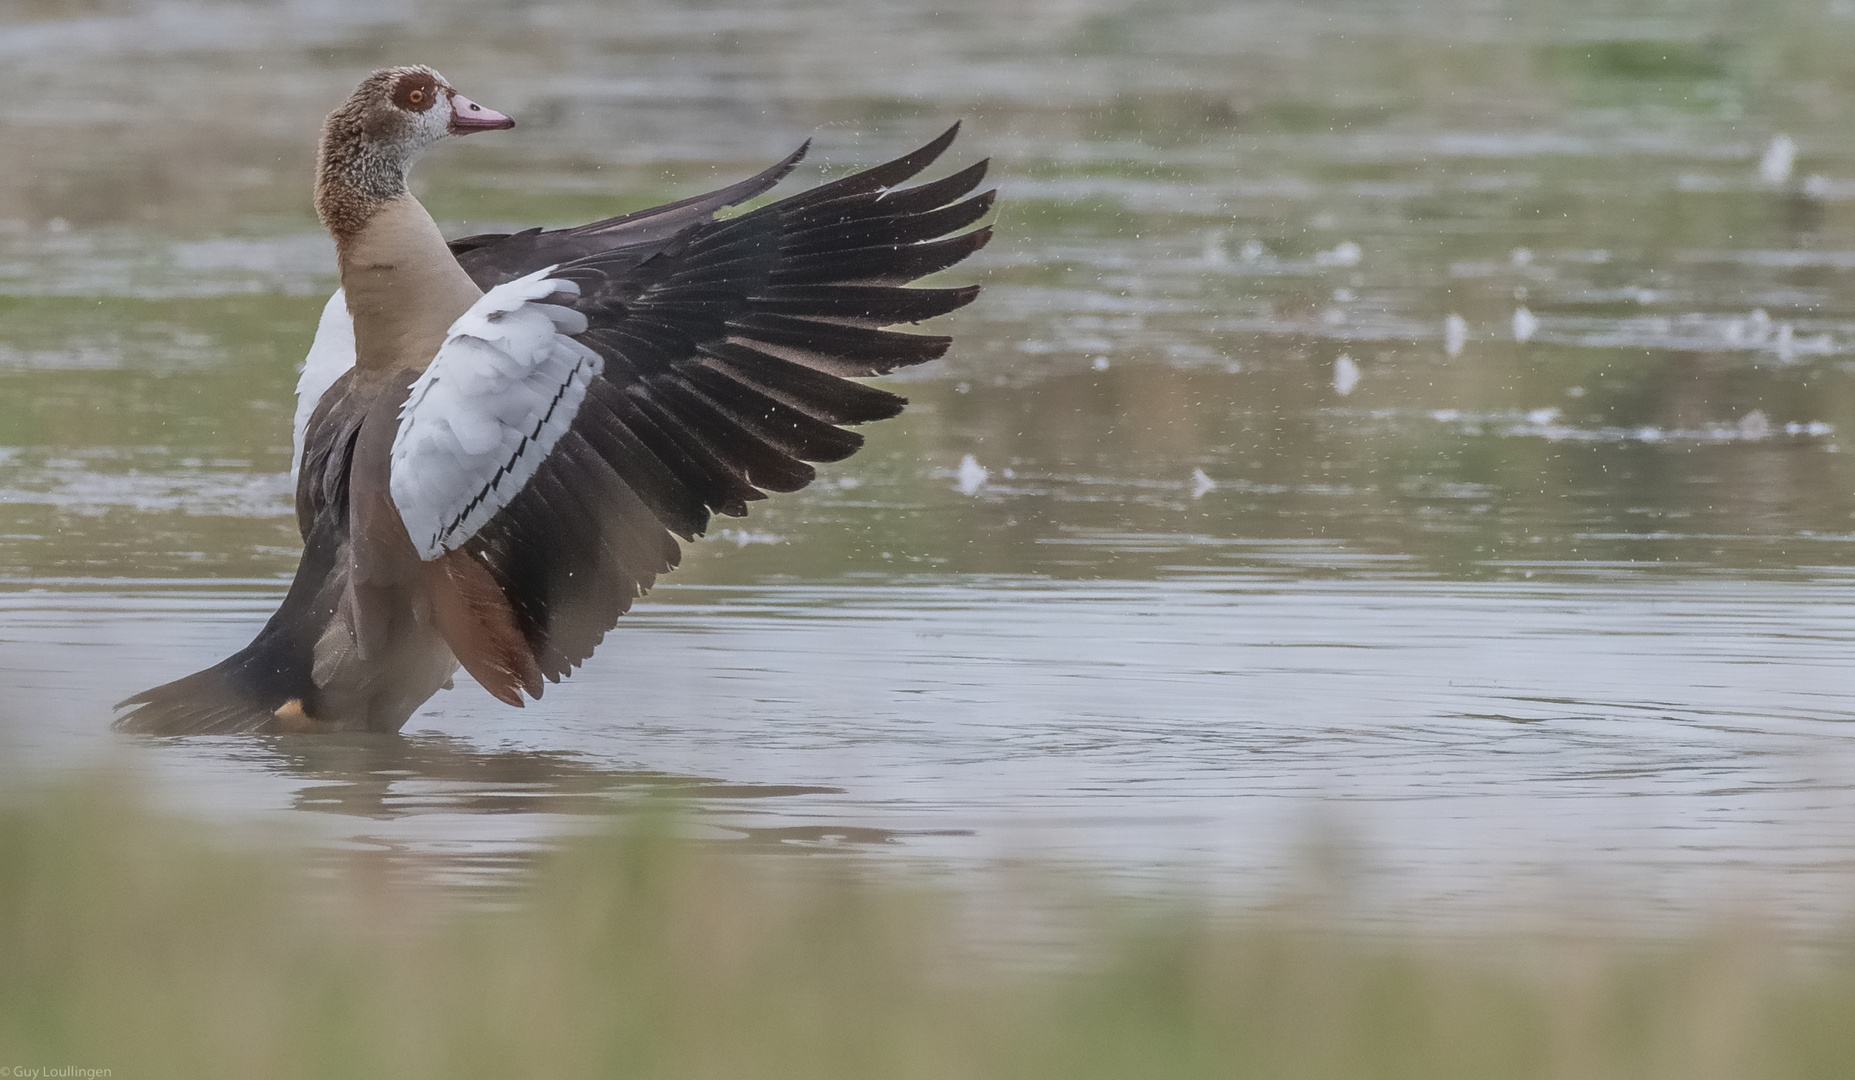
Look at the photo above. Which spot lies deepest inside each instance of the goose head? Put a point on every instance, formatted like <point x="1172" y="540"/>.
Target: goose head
<point x="370" y="142"/>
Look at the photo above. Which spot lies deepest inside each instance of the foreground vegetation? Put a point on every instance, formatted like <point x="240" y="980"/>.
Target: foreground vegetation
<point x="149" y="948"/>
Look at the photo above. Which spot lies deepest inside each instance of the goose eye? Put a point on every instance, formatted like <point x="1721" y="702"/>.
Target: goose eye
<point x="415" y="93"/>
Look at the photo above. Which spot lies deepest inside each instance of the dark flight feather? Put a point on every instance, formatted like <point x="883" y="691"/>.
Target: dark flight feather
<point x="727" y="347"/>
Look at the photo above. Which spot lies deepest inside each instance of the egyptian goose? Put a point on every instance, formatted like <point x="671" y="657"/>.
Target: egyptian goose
<point x="499" y="439"/>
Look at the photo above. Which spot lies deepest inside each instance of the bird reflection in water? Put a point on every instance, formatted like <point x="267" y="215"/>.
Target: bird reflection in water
<point x="413" y="797"/>
<point x="391" y="776"/>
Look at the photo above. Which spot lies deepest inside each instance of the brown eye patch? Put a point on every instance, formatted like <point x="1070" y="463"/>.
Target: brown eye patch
<point x="415" y="92"/>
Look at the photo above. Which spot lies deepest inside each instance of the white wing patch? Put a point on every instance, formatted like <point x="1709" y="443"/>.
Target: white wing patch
<point x="501" y="392"/>
<point x="331" y="354"/>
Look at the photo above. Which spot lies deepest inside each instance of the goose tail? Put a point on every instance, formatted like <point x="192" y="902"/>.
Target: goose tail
<point x="209" y="702"/>
<point x="269" y="685"/>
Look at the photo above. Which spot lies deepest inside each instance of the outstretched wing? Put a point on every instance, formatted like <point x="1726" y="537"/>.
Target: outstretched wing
<point x="319" y="451"/>
<point x="725" y="365"/>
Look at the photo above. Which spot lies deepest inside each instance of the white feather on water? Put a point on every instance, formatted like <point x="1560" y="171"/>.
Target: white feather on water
<point x="1754" y="329"/>
<point x="972" y="475"/>
<point x="1455" y="334"/>
<point x="1345" y="253"/>
<point x="1525" y="325"/>
<point x="1753" y="426"/>
<point x="1345" y="375"/>
<point x="1818" y="186"/>
<point x="744" y="537"/>
<point x="1549" y="422"/>
<point x="1214" y="253"/>
<point x="1780" y="155"/>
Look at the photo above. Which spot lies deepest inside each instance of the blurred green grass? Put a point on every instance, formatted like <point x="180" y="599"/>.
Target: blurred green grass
<point x="156" y="948"/>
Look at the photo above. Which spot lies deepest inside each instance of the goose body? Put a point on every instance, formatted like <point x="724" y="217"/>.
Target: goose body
<point x="500" y="439"/>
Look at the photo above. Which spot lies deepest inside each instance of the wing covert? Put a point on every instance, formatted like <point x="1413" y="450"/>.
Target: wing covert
<point x="481" y="418"/>
<point x="330" y="356"/>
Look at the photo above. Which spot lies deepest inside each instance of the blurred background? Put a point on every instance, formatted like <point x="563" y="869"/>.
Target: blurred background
<point x="1415" y="422"/>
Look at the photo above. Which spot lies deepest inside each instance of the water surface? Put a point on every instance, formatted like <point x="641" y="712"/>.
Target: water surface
<point x="1422" y="424"/>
